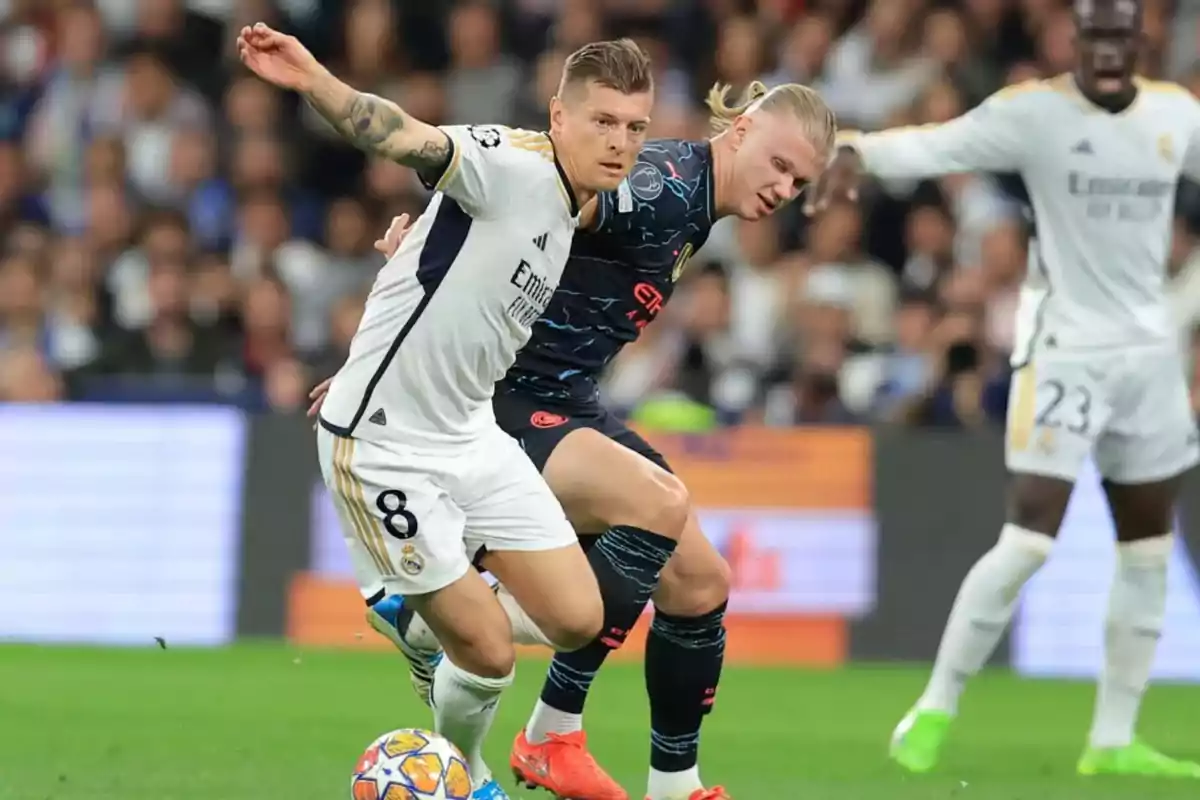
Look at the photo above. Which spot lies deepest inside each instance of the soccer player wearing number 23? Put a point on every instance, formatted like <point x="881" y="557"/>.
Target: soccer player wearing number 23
<point x="1098" y="369"/>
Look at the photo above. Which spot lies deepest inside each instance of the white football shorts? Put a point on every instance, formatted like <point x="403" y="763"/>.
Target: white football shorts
<point x="1129" y="409"/>
<point x="415" y="518"/>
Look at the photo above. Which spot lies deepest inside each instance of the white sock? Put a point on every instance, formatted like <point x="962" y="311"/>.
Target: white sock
<point x="981" y="612"/>
<point x="464" y="706"/>
<point x="1136" y="606"/>
<point x="673" y="785"/>
<point x="547" y="719"/>
<point x="525" y="630"/>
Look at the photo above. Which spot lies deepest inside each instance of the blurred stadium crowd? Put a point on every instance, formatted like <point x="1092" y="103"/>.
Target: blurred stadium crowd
<point x="175" y="230"/>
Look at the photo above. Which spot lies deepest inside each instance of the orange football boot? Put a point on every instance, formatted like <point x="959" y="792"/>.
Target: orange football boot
<point x="715" y="793"/>
<point x="562" y="766"/>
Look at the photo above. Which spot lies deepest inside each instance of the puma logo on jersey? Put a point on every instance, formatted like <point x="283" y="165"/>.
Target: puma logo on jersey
<point x="540" y="241"/>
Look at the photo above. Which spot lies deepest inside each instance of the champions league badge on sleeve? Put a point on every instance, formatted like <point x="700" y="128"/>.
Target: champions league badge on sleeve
<point x="487" y="136"/>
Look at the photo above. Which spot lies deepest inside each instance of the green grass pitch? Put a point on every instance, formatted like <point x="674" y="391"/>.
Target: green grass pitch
<point x="264" y="722"/>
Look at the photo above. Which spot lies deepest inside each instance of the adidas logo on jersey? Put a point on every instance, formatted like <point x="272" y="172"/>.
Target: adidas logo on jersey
<point x="540" y="241"/>
<point x="1083" y="147"/>
<point x="378" y="418"/>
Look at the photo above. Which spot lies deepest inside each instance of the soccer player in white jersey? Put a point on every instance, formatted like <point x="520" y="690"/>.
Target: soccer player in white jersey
<point x="1098" y="370"/>
<point x="424" y="480"/>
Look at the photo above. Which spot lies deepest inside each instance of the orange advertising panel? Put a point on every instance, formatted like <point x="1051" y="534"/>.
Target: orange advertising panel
<point x="772" y="468"/>
<point x="788" y="509"/>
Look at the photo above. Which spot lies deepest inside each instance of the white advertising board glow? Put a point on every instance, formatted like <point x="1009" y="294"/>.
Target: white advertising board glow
<point x="119" y="524"/>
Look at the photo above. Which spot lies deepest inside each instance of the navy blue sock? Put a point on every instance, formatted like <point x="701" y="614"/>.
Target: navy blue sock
<point x="627" y="562"/>
<point x="684" y="656"/>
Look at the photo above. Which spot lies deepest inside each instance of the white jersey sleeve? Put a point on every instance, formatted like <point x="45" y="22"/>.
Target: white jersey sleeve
<point x="991" y="137"/>
<point x="483" y="163"/>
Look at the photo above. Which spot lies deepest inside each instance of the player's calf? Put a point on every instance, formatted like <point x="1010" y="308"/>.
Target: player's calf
<point x="626" y="561"/>
<point x="982" y="610"/>
<point x="1137" y="606"/>
<point x="477" y="667"/>
<point x="987" y="598"/>
<point x="1136" y="609"/>
<point x="684" y="655"/>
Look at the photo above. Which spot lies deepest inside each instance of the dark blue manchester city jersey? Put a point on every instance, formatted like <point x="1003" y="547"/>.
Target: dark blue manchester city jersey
<point x="620" y="273"/>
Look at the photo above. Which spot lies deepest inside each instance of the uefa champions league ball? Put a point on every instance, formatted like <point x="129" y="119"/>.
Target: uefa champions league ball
<point x="411" y="764"/>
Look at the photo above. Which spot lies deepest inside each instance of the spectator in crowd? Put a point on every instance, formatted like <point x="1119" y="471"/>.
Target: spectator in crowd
<point x="169" y="346"/>
<point x="173" y="228"/>
<point x="899" y="374"/>
<point x="25" y="377"/>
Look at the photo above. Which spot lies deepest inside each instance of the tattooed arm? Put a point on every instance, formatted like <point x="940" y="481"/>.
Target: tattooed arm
<point x="381" y="127"/>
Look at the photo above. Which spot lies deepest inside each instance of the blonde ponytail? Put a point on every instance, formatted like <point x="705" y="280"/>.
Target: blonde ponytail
<point x="802" y="102"/>
<point x="724" y="114"/>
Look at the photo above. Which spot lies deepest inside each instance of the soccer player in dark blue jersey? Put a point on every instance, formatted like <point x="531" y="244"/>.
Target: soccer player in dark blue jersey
<point x="619" y="493"/>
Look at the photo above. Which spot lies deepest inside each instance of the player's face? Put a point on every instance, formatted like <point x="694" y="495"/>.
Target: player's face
<point x="1108" y="34"/>
<point x="773" y="163"/>
<point x="600" y="131"/>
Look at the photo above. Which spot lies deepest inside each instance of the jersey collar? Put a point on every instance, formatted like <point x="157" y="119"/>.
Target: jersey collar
<point x="711" y="194"/>
<point x="572" y="201"/>
<point x="1073" y="85"/>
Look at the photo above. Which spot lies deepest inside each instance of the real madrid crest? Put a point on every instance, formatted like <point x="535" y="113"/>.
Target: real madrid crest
<point x="411" y="561"/>
<point x="1166" y="148"/>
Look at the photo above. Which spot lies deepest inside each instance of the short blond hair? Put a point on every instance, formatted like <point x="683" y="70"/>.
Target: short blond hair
<point x="618" y="64"/>
<point x="802" y="102"/>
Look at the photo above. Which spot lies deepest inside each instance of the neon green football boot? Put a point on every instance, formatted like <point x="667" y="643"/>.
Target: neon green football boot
<point x="917" y="740"/>
<point x="1137" y="759"/>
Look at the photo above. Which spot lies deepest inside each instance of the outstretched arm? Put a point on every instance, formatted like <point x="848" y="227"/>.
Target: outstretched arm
<point x="380" y="126"/>
<point x="372" y="123"/>
<point x="989" y="138"/>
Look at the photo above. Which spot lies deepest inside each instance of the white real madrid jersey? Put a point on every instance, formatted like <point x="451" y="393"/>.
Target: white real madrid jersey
<point x="451" y="308"/>
<point x="1103" y="192"/>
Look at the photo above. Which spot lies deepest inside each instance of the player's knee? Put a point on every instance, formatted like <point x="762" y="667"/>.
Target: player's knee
<point x="1034" y="516"/>
<point x="491" y="657"/>
<point x="663" y="507"/>
<point x="1038" y="504"/>
<point x="576" y="629"/>
<point x="691" y="587"/>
